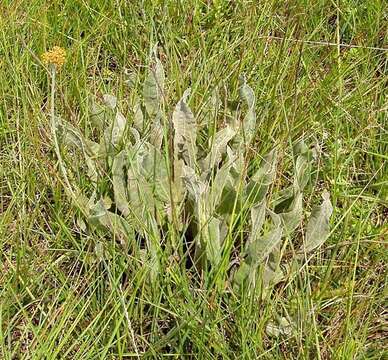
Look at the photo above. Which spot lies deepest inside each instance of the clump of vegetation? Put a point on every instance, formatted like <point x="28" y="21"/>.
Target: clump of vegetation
<point x="150" y="177"/>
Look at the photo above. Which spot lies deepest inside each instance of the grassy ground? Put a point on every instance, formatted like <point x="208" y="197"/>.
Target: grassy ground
<point x="57" y="301"/>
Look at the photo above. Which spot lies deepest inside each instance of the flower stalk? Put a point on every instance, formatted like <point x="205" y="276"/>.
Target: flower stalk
<point x="55" y="59"/>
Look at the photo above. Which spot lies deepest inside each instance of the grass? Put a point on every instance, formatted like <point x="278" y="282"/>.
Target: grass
<point x="60" y="300"/>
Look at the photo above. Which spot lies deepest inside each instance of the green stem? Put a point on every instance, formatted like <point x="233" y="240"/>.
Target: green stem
<point x="62" y="168"/>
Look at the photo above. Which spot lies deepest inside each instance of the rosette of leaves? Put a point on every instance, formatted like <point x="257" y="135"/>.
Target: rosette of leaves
<point x="150" y="170"/>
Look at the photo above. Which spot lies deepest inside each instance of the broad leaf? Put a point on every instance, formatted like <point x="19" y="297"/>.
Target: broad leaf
<point x="217" y="186"/>
<point x="118" y="128"/>
<point x="100" y="216"/>
<point x="214" y="239"/>
<point x="257" y="219"/>
<point x="100" y="115"/>
<point x="257" y="188"/>
<point x="257" y="251"/>
<point x="153" y="89"/>
<point x="110" y="101"/>
<point x="73" y="138"/>
<point x="318" y="229"/>
<point x="217" y="148"/>
<point x="292" y="218"/>
<point x="272" y="274"/>
<point x="249" y="122"/>
<point x="193" y="184"/>
<point x="185" y="132"/>
<point x="260" y="247"/>
<point x="138" y="118"/>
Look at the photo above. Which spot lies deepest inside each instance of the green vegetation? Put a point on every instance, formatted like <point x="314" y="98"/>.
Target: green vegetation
<point x="126" y="241"/>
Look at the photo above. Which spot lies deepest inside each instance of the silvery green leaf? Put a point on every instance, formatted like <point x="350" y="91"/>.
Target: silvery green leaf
<point x="249" y="122"/>
<point x="81" y="223"/>
<point x="213" y="241"/>
<point x="178" y="189"/>
<point x="302" y="171"/>
<point x="237" y="171"/>
<point x="155" y="171"/>
<point x="107" y="201"/>
<point x="118" y="128"/>
<point x="100" y="216"/>
<point x="283" y="199"/>
<point x="130" y="78"/>
<point x="260" y="247"/>
<point x="257" y="218"/>
<point x="292" y="218"/>
<point x="231" y="197"/>
<point x="70" y="135"/>
<point x="265" y="175"/>
<point x="115" y="133"/>
<point x="193" y="184"/>
<point x="318" y="229"/>
<point x="139" y="189"/>
<point x="300" y="148"/>
<point x="272" y="273"/>
<point x="242" y="274"/>
<point x="215" y="99"/>
<point x="255" y="192"/>
<point x="302" y="165"/>
<point x="156" y="133"/>
<point x="100" y="115"/>
<point x="230" y="201"/>
<point x="135" y="135"/>
<point x="185" y="131"/>
<point x="282" y="327"/>
<point x="257" y="251"/>
<point x="110" y="101"/>
<point x="153" y="89"/>
<point x="138" y="118"/>
<point x="218" y="147"/>
<point x="218" y="184"/>
<point x="257" y="187"/>
<point x="211" y="110"/>
<point x="99" y="251"/>
<point x="92" y="148"/>
<point x="119" y="182"/>
<point x="73" y="138"/>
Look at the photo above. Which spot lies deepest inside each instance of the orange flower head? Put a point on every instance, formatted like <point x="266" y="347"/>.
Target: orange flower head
<point x="56" y="56"/>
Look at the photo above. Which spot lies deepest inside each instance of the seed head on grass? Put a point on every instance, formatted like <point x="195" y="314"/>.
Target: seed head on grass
<point x="56" y="56"/>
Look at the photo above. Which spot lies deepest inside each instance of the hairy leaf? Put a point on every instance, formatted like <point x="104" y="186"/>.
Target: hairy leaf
<point x="100" y="216"/>
<point x="218" y="148"/>
<point x="257" y="219"/>
<point x="260" y="247"/>
<point x="153" y="89"/>
<point x="257" y="188"/>
<point x="292" y="218"/>
<point x="138" y="118"/>
<point x="249" y="122"/>
<point x="272" y="273"/>
<point x="100" y="115"/>
<point x="110" y="101"/>
<point x="193" y="184"/>
<point x="73" y="138"/>
<point x="185" y="131"/>
<point x="213" y="241"/>
<point x="318" y="230"/>
<point x="257" y="251"/>
<point x="118" y="128"/>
